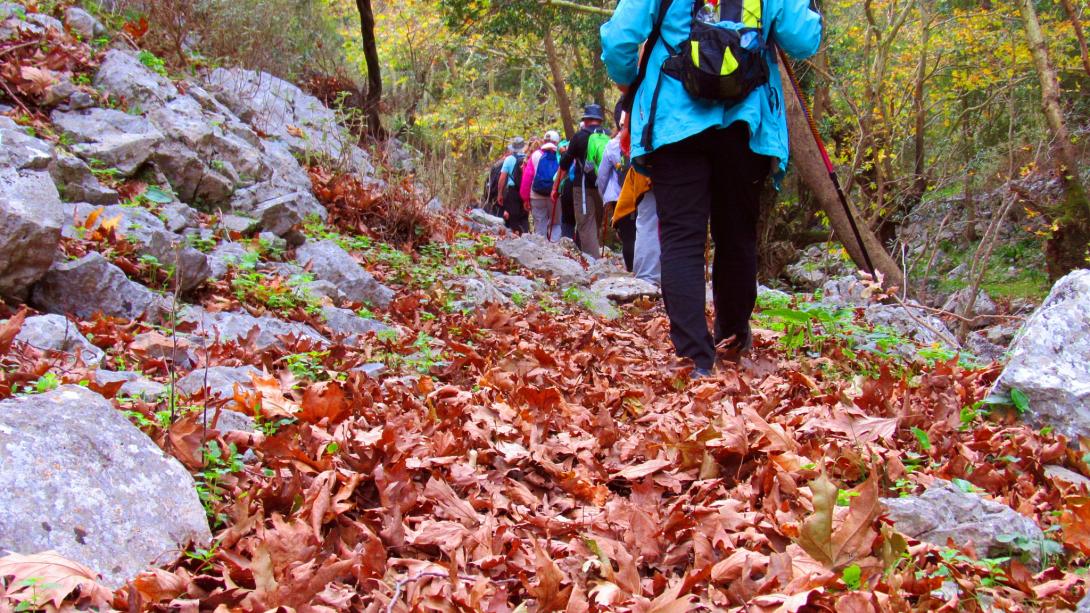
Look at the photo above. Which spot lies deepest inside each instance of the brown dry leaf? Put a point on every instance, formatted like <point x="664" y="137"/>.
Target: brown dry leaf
<point x="640" y="471"/>
<point x="51" y="578"/>
<point x="549" y="577"/>
<point x="157" y="584"/>
<point x="839" y="545"/>
<point x="295" y="131"/>
<point x="10" y="329"/>
<point x="274" y="404"/>
<point x="324" y="401"/>
<point x="1075" y="522"/>
<point x="36" y="80"/>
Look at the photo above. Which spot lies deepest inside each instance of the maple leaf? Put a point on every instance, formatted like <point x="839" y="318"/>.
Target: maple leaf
<point x="1075" y="522"/>
<point x="837" y="544"/>
<point x="641" y="470"/>
<point x="549" y="577"/>
<point x="324" y="401"/>
<point x="51" y="578"/>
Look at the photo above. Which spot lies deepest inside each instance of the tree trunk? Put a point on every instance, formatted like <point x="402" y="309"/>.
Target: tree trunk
<point x="811" y="169"/>
<point x="1067" y="249"/>
<point x="920" y="103"/>
<point x="562" y="99"/>
<point x="1077" y="24"/>
<point x="374" y="69"/>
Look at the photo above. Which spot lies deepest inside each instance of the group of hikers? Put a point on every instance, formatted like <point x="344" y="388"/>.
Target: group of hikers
<point x="583" y="189"/>
<point x="699" y="129"/>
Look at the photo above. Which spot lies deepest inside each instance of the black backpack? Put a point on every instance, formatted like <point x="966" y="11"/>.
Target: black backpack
<point x="716" y="63"/>
<point x="492" y="188"/>
<point x="516" y="175"/>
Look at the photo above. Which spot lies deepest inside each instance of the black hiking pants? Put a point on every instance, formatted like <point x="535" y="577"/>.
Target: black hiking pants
<point x="626" y="230"/>
<point x="710" y="176"/>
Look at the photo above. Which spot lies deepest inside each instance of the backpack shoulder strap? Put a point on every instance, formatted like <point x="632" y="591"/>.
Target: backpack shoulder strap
<point x="649" y="47"/>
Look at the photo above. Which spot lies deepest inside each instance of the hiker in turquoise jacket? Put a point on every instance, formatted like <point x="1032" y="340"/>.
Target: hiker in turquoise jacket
<point x="708" y="160"/>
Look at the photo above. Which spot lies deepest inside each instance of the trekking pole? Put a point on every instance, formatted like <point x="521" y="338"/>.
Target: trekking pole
<point x="825" y="158"/>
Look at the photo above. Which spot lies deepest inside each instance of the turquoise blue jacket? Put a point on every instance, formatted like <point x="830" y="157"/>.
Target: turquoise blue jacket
<point x="789" y="23"/>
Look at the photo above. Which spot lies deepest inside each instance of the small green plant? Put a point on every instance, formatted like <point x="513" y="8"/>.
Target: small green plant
<point x="153" y="62"/>
<point x="218" y="464"/>
<point x="204" y="556"/>
<point x="46" y="383"/>
<point x="922" y="438"/>
<point x="519" y="300"/>
<point x="852" y="576"/>
<point x="204" y="244"/>
<point x="307" y="365"/>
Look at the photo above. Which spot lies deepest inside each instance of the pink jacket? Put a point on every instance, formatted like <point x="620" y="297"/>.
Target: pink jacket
<point x="530" y="170"/>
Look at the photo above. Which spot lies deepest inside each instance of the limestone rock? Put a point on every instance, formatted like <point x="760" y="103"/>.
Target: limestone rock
<point x="1050" y="359"/>
<point x="512" y="285"/>
<point x="329" y="262"/>
<point x="944" y="512"/>
<point x="350" y="325"/>
<point x="280" y="109"/>
<point x="1065" y="475"/>
<point x="179" y="348"/>
<point x="237" y="326"/>
<point x="983" y="308"/>
<point x="108" y="137"/>
<point x="486" y="222"/>
<point x="123" y="76"/>
<point x="899" y="319"/>
<point x="846" y="292"/>
<point x="58" y="333"/>
<point x="224" y="256"/>
<point x="31" y="212"/>
<point x="277" y="207"/>
<point x="544" y="258"/>
<point x="626" y="289"/>
<point x="135" y="385"/>
<point x="79" y="479"/>
<point x="92" y="285"/>
<point x="83" y="23"/>
<point x="76" y="183"/>
<point x="151" y="238"/>
<point x="219" y="381"/>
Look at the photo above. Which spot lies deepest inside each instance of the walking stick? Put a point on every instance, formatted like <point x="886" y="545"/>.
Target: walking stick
<point x="825" y="157"/>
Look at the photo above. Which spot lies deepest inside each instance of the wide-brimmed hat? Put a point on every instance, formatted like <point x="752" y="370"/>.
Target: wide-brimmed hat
<point x="594" y="111"/>
<point x="517" y="144"/>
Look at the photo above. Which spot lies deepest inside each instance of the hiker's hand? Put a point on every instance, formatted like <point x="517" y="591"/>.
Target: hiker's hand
<point x="526" y="206"/>
<point x="554" y="196"/>
<point x="506" y="215"/>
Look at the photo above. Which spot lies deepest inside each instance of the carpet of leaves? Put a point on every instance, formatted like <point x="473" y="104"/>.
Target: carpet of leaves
<point x="563" y="462"/>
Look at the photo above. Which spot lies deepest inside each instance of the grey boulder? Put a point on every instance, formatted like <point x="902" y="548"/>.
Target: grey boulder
<point x="134" y="384"/>
<point x="83" y="23"/>
<point x="152" y="238"/>
<point x="983" y="307"/>
<point x="1050" y="359"/>
<point x="625" y="289"/>
<point x="110" y="138"/>
<point x="77" y="183"/>
<point x="544" y="258"/>
<point x="31" y="212"/>
<point x="122" y="75"/>
<point x="268" y="332"/>
<point x="915" y="324"/>
<point x="56" y="333"/>
<point x="93" y="285"/>
<point x="79" y="479"/>
<point x="350" y="325"/>
<point x="280" y="109"/>
<point x="485" y="222"/>
<point x="277" y="206"/>
<point x="219" y="381"/>
<point x="944" y="512"/>
<point x="329" y="262"/>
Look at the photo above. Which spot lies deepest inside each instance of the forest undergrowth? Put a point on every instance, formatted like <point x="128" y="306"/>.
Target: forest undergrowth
<point x="534" y="457"/>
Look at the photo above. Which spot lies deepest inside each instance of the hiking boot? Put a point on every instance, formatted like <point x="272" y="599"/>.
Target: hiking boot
<point x="699" y="374"/>
<point x="733" y="348"/>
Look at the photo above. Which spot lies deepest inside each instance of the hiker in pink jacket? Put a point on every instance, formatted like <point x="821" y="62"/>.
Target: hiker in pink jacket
<point x="535" y="189"/>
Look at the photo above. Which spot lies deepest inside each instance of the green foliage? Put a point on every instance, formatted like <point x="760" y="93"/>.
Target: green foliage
<point x="218" y="464"/>
<point x="852" y="576"/>
<point x="922" y="438"/>
<point x="150" y="60"/>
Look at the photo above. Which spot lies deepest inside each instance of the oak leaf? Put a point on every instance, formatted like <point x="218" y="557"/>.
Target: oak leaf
<point x="51" y="578"/>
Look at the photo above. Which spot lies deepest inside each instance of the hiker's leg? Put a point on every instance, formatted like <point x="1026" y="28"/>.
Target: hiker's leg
<point x="540" y="207"/>
<point x="645" y="261"/>
<point x="739" y="178"/>
<point x="626" y="229"/>
<point x="681" y="173"/>
<point x="586" y="225"/>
